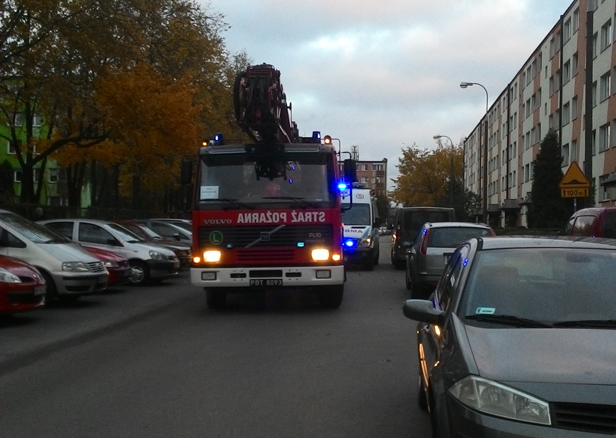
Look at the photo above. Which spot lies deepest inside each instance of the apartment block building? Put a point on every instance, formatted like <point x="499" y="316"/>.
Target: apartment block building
<point x="570" y="74"/>
<point x="373" y="174"/>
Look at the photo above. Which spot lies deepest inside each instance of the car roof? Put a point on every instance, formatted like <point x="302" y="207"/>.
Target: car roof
<point x="504" y="242"/>
<point x="593" y="210"/>
<point x="456" y="225"/>
<point x="92" y="221"/>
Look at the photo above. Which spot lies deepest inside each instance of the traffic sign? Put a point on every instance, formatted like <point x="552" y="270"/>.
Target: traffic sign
<point x="574" y="183"/>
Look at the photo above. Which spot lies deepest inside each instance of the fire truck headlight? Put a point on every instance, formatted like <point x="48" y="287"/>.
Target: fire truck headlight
<point x="336" y="257"/>
<point x="211" y="256"/>
<point x="320" y="254"/>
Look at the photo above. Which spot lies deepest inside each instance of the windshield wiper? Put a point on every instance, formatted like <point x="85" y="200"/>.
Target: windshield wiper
<point x="588" y="323"/>
<point x="233" y="201"/>
<point x="294" y="198"/>
<point x="509" y="320"/>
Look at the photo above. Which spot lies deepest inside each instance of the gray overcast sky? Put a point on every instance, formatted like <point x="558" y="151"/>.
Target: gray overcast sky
<point x="383" y="75"/>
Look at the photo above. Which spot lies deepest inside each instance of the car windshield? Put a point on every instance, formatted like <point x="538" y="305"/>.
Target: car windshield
<point x="358" y="214"/>
<point x="232" y="182"/>
<point x="125" y="233"/>
<point x="451" y="237"/>
<point x="32" y="231"/>
<point x="547" y="285"/>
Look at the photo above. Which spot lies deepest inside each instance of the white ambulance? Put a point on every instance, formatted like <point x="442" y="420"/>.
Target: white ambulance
<point x="360" y="219"/>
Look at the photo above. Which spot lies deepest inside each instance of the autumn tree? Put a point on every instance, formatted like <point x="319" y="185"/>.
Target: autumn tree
<point x="57" y="52"/>
<point x="548" y="209"/>
<point x="425" y="176"/>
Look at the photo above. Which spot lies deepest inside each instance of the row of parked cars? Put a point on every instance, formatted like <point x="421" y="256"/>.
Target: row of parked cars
<point x="63" y="259"/>
<point x="515" y="335"/>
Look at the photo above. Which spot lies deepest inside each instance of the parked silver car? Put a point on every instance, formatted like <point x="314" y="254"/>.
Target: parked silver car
<point x="434" y="244"/>
<point x="148" y="261"/>
<point x="69" y="270"/>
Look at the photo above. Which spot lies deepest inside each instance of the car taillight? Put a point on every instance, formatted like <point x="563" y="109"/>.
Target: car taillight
<point x="424" y="242"/>
<point x="397" y="234"/>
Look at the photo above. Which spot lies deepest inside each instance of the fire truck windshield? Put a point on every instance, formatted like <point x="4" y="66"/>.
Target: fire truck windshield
<point x="232" y="182"/>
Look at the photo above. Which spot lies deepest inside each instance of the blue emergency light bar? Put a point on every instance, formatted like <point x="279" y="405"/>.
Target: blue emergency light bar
<point x="350" y="243"/>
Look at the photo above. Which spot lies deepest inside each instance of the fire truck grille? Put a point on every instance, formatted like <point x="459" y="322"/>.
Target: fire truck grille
<point x="258" y="238"/>
<point x="265" y="255"/>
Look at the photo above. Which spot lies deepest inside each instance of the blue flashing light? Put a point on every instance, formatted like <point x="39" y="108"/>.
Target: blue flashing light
<point x="300" y="244"/>
<point x="219" y="139"/>
<point x="316" y="136"/>
<point x="349" y="243"/>
<point x="465" y="263"/>
<point x="342" y="186"/>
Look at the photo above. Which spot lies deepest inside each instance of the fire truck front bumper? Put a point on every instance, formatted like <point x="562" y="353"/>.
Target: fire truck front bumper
<point x="270" y="278"/>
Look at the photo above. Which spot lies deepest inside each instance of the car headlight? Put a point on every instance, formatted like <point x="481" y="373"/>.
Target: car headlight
<point x="7" y="277"/>
<point x="155" y="255"/>
<point x="110" y="264"/>
<point x="75" y="267"/>
<point x="500" y="400"/>
<point x="365" y="242"/>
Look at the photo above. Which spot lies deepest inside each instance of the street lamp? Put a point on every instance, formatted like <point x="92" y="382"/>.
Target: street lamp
<point x="485" y="149"/>
<point x="438" y="137"/>
<point x="470" y="84"/>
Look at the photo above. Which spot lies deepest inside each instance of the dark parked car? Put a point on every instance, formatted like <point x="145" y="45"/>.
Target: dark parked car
<point x="407" y="222"/>
<point x="519" y="340"/>
<point x="592" y="222"/>
<point x="426" y="259"/>
<point x="117" y="266"/>
<point x="181" y="249"/>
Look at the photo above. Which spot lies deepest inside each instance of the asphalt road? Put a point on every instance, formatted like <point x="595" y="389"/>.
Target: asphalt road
<point x="155" y="362"/>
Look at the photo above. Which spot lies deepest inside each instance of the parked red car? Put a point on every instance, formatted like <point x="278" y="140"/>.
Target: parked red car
<point x="117" y="266"/>
<point x="22" y="287"/>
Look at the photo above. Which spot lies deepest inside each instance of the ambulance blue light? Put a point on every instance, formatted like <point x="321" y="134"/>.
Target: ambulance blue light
<point x="300" y="244"/>
<point x="342" y="186"/>
<point x="219" y="139"/>
<point x="316" y="136"/>
<point x="350" y="243"/>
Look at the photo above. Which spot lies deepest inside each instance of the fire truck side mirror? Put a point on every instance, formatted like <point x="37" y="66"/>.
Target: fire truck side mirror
<point x="350" y="171"/>
<point x="186" y="171"/>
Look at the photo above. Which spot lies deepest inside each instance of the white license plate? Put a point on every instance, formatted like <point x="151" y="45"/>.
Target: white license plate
<point x="266" y="282"/>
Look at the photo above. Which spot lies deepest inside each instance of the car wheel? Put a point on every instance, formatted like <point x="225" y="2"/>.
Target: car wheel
<point x="422" y="399"/>
<point x="51" y="291"/>
<point x="139" y="273"/>
<point x="215" y="298"/>
<point x="331" y="296"/>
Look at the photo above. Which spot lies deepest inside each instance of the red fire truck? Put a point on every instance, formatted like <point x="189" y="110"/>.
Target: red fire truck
<point x="266" y="215"/>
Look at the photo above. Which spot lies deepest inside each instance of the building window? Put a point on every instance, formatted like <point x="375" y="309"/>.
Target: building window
<point x="567" y="30"/>
<point x="605" y="86"/>
<point x="606" y="35"/>
<point x="595" y="38"/>
<point x="566" y="113"/>
<point x="565" y="155"/>
<point x="17" y="176"/>
<point x="566" y="72"/>
<point x="54" y="175"/>
<point x="10" y="147"/>
<point x="576" y="20"/>
<point x="36" y="120"/>
<point x="594" y="94"/>
<point x="604" y="137"/>
<point x="573" y="150"/>
<point x="574" y="108"/>
<point x="574" y="64"/>
<point x="17" y="119"/>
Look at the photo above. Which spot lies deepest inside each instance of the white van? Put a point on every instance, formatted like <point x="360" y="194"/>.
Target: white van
<point x="360" y="218"/>
<point x="69" y="270"/>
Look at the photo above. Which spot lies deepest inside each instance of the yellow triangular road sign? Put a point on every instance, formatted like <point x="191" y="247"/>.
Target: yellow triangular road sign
<point x="574" y="178"/>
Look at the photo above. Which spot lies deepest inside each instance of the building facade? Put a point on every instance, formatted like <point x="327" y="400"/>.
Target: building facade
<point x="554" y="89"/>
<point x="373" y="175"/>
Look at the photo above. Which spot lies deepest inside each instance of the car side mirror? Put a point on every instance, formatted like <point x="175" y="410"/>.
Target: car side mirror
<point x="423" y="311"/>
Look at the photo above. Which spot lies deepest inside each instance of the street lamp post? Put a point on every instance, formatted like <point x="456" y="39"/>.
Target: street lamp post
<point x="451" y="186"/>
<point x="485" y="149"/>
<point x="339" y="147"/>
